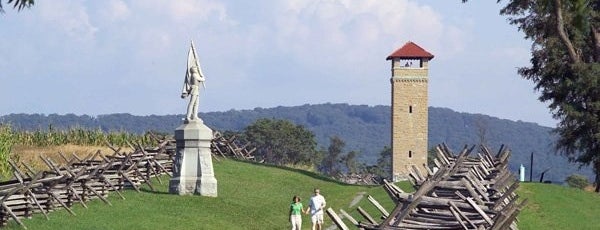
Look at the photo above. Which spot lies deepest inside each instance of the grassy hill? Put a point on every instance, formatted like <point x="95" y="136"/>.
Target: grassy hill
<point x="254" y="196"/>
<point x="251" y="196"/>
<point x="558" y="207"/>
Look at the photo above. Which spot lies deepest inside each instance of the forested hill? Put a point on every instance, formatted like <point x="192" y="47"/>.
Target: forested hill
<point x="363" y="128"/>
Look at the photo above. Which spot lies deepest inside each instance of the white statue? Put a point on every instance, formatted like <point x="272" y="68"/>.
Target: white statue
<point x="191" y="84"/>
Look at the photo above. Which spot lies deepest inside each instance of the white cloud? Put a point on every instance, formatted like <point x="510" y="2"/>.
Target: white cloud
<point x="189" y="12"/>
<point x="249" y="53"/>
<point x="452" y="43"/>
<point x="70" y="17"/>
<point x="327" y="33"/>
<point x="114" y="10"/>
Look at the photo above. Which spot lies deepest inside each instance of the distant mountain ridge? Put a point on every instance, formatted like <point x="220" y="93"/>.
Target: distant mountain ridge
<point x="363" y="128"/>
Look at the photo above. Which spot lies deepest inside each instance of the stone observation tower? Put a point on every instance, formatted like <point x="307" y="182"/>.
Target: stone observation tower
<point x="409" y="108"/>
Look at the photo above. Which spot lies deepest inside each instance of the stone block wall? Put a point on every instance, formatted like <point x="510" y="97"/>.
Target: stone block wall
<point x="409" y="120"/>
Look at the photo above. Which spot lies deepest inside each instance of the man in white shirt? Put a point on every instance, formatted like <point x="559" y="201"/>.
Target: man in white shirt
<point x="316" y="205"/>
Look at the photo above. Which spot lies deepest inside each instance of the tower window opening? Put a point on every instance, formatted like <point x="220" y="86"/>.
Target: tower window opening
<point x="410" y="109"/>
<point x="409" y="154"/>
<point x="409" y="63"/>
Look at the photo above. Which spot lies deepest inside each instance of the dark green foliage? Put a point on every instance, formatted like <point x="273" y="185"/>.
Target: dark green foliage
<point x="367" y="135"/>
<point x="331" y="164"/>
<point x="577" y="181"/>
<point x="282" y="142"/>
<point x="457" y="129"/>
<point x="351" y="163"/>
<point x="18" y="4"/>
<point x="566" y="70"/>
<point x="336" y="162"/>
<point x="384" y="163"/>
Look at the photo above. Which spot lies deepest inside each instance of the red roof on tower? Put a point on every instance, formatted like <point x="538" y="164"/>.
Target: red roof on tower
<point x="410" y="50"/>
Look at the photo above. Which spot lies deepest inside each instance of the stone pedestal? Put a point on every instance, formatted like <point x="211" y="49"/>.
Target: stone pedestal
<point x="192" y="169"/>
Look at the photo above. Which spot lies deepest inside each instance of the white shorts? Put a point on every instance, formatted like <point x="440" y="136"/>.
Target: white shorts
<point x="317" y="218"/>
<point x="296" y="221"/>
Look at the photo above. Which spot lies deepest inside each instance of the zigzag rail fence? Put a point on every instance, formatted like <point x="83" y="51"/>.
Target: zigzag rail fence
<point x="81" y="179"/>
<point x="467" y="192"/>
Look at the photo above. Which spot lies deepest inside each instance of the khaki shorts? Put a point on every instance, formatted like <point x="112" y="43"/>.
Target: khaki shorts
<point x="317" y="218"/>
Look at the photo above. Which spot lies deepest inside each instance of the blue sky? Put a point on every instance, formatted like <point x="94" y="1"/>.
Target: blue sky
<point x="114" y="56"/>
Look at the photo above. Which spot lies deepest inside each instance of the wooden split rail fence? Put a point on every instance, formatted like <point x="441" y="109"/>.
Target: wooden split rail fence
<point x="93" y="177"/>
<point x="80" y="180"/>
<point x="469" y="191"/>
<point x="224" y="147"/>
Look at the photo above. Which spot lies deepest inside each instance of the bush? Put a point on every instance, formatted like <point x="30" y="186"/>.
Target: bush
<point x="577" y="181"/>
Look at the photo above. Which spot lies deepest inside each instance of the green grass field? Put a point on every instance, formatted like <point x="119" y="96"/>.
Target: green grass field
<point x="558" y="207"/>
<point x="253" y="196"/>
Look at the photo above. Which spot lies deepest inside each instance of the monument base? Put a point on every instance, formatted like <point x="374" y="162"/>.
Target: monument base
<point x="183" y="186"/>
<point x="192" y="168"/>
<point x="207" y="186"/>
<point x="193" y="185"/>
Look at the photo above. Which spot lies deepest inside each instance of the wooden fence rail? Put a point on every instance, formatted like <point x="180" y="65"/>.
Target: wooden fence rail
<point x="228" y="147"/>
<point x="81" y="179"/>
<point x="467" y="192"/>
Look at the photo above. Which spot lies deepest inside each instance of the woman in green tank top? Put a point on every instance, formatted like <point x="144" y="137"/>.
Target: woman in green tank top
<point x="296" y="209"/>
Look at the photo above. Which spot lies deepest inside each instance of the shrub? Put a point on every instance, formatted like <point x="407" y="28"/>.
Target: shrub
<point x="577" y="181"/>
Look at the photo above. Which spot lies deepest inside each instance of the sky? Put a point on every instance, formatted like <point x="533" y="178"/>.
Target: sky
<point x="117" y="56"/>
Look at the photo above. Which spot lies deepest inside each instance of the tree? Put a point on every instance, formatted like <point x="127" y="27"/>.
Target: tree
<point x="351" y="163"/>
<point x="384" y="163"/>
<point x="282" y="142"/>
<point x="565" y="69"/>
<point x="331" y="162"/>
<point x="335" y="162"/>
<point x="18" y="4"/>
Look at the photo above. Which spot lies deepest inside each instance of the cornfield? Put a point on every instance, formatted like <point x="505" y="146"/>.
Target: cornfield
<point x="77" y="136"/>
<point x="10" y="138"/>
<point x="6" y="142"/>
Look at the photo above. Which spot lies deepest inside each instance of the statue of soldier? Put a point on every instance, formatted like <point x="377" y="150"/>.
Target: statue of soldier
<point x="191" y="85"/>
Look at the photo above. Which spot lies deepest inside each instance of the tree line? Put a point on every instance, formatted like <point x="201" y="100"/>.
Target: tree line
<point x="364" y="129"/>
<point x="281" y="142"/>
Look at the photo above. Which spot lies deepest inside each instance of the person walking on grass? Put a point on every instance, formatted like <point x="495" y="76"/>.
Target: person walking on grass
<point x="316" y="206"/>
<point x="296" y="209"/>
